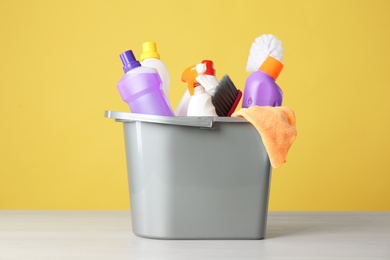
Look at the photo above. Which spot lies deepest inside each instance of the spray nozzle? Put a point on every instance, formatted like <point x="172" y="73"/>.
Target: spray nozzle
<point x="189" y="75"/>
<point x="206" y="75"/>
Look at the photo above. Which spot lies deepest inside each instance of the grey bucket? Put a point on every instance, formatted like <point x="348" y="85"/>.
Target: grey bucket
<point x="195" y="177"/>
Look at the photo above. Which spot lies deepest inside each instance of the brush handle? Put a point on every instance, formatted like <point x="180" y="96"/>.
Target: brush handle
<point x="235" y="104"/>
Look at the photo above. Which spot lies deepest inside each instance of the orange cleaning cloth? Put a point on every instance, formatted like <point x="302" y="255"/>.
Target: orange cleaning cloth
<point x="276" y="126"/>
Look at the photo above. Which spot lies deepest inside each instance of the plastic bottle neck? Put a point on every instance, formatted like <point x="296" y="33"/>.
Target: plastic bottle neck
<point x="128" y="60"/>
<point x="199" y="90"/>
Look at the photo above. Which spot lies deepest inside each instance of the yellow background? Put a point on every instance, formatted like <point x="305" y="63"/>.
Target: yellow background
<point x="59" y="67"/>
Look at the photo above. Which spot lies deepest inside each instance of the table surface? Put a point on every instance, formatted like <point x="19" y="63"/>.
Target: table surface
<point x="108" y="235"/>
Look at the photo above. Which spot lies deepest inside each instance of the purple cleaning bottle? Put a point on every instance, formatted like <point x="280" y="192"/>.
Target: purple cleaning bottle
<point x="260" y="87"/>
<point x="141" y="88"/>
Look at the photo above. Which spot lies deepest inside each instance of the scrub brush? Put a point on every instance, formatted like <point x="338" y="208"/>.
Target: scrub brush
<point x="264" y="46"/>
<point x="226" y="97"/>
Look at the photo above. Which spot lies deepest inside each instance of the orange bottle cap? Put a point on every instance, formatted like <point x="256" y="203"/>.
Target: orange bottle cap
<point x="272" y="67"/>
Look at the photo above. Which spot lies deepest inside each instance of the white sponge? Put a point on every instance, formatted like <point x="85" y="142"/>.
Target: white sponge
<point x="264" y="46"/>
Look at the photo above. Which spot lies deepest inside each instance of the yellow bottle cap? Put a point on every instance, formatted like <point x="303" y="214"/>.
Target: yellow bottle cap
<point x="149" y="50"/>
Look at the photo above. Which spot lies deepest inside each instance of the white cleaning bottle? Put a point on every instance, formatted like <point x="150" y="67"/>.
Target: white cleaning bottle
<point x="200" y="103"/>
<point x="205" y="77"/>
<point x="151" y="58"/>
<point x="182" y="107"/>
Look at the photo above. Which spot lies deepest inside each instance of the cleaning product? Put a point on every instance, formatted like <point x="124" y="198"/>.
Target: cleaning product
<point x="206" y="77"/>
<point x="200" y="103"/>
<point x="226" y="97"/>
<point x="141" y="88"/>
<point x="261" y="88"/>
<point x="151" y="58"/>
<point x="182" y="107"/>
<point x="265" y="61"/>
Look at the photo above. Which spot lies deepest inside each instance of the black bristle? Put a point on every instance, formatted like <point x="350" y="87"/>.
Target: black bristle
<point x="224" y="96"/>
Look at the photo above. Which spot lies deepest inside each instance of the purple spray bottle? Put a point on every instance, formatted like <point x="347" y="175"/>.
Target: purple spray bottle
<point x="260" y="86"/>
<point x="141" y="88"/>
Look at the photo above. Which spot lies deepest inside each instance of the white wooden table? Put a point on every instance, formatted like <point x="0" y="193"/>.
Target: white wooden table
<point x="107" y="235"/>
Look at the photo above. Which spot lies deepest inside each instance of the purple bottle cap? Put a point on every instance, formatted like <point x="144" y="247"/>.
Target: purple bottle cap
<point x="129" y="61"/>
